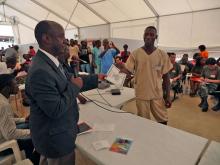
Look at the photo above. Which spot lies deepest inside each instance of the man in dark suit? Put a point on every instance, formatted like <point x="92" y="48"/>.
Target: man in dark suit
<point x="52" y="93"/>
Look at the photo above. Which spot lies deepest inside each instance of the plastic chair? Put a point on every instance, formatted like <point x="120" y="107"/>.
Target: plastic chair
<point x="24" y="162"/>
<point x="12" y="158"/>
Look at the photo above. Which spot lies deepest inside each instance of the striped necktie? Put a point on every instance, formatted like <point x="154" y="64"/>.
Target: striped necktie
<point x="62" y="70"/>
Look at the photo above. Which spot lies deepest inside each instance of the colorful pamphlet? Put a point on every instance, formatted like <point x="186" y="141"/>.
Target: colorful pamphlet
<point x="121" y="145"/>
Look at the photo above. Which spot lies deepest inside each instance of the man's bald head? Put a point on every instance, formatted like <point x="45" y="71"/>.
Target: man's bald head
<point x="50" y="37"/>
<point x="45" y="27"/>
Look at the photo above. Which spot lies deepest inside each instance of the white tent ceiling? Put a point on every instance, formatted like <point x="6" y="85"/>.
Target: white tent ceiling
<point x="74" y="14"/>
<point x="82" y="13"/>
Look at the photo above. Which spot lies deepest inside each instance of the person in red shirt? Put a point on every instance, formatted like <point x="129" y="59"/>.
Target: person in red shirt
<point x="31" y="51"/>
<point x="125" y="54"/>
<point x="203" y="52"/>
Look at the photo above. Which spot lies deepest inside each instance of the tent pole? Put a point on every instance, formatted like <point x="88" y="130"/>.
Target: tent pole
<point x="71" y="15"/>
<point x="53" y="12"/>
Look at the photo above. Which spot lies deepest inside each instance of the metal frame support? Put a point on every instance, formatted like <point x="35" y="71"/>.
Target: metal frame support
<point x="93" y="11"/>
<point x="154" y="12"/>
<point x="27" y="15"/>
<point x="18" y="22"/>
<point x="51" y="11"/>
<point x="71" y="14"/>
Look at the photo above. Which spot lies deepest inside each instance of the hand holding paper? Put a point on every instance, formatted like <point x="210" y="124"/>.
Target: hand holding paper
<point x="114" y="76"/>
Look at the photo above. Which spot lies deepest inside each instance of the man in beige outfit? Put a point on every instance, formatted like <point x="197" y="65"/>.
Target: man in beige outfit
<point x="150" y="66"/>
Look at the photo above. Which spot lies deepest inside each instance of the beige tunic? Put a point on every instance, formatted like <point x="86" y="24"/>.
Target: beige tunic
<point x="148" y="71"/>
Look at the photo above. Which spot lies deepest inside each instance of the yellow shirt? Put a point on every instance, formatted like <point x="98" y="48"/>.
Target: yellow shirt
<point x="148" y="71"/>
<point x="73" y="51"/>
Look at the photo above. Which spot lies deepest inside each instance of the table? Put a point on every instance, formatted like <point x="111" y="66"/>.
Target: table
<point x="211" y="155"/>
<point x="153" y="143"/>
<point x="104" y="96"/>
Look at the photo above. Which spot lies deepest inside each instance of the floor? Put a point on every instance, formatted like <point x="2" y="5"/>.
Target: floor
<point x="186" y="115"/>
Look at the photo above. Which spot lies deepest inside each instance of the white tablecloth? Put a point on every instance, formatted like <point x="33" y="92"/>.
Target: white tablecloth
<point x="107" y="98"/>
<point x="211" y="155"/>
<point x="153" y="143"/>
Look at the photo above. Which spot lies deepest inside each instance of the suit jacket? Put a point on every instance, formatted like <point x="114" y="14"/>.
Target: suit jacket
<point x="54" y="110"/>
<point x="91" y="81"/>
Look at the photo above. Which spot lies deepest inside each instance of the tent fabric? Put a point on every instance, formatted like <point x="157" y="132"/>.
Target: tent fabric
<point x="125" y="18"/>
<point x="84" y="13"/>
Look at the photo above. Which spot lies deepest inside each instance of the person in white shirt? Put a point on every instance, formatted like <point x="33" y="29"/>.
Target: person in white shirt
<point x="8" y="123"/>
<point x="8" y="66"/>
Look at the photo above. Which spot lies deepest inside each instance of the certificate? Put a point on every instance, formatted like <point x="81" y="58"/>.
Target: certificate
<point x="114" y="76"/>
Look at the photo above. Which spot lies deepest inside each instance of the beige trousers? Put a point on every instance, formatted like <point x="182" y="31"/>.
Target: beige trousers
<point x="156" y="107"/>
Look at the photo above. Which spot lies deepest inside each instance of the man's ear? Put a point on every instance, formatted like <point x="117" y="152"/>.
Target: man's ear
<point x="45" y="38"/>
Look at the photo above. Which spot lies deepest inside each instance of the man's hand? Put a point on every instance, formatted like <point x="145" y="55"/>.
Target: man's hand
<point x="77" y="81"/>
<point x="81" y="99"/>
<point x="166" y="87"/>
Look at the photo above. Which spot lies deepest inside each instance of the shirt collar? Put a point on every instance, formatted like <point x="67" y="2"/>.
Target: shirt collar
<point x="51" y="57"/>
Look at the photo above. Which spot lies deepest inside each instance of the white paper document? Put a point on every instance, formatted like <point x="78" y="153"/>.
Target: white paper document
<point x="114" y="76"/>
<point x="102" y="144"/>
<point x="104" y="127"/>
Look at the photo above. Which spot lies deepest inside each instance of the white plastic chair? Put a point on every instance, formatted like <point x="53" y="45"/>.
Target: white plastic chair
<point x="12" y="158"/>
<point x="24" y="162"/>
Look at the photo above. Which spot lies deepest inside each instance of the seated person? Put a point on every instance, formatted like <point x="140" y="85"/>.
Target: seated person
<point x="216" y="94"/>
<point x="195" y="56"/>
<point x="8" y="130"/>
<point x="8" y="66"/>
<point x="196" y="74"/>
<point x="211" y="79"/>
<point x="118" y="61"/>
<point x="26" y="65"/>
<point x="188" y="66"/>
<point x="175" y="72"/>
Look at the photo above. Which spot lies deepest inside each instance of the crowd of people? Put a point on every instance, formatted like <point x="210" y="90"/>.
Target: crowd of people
<point x="202" y="73"/>
<point x="53" y="85"/>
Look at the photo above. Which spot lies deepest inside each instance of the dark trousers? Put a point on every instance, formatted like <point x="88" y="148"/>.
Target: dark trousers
<point x="68" y="159"/>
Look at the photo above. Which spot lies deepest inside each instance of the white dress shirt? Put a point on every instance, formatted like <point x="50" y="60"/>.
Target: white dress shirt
<point x="50" y="56"/>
